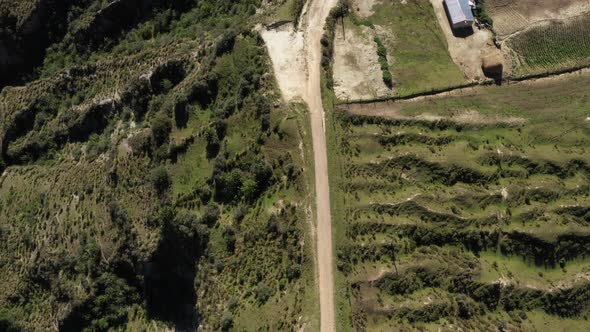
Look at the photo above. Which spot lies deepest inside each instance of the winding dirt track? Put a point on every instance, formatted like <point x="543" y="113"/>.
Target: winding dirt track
<point x="317" y="12"/>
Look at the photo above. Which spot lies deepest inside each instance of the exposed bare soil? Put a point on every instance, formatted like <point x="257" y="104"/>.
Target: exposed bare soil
<point x="286" y="49"/>
<point x="357" y="73"/>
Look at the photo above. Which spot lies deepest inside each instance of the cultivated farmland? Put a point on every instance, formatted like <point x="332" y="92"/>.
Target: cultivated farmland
<point x="511" y="16"/>
<point x="551" y="46"/>
<point x="468" y="211"/>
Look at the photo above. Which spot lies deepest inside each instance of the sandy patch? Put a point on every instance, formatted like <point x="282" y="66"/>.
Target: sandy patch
<point x="286" y="49"/>
<point x="357" y="73"/>
<point x="467" y="52"/>
<point x="364" y="8"/>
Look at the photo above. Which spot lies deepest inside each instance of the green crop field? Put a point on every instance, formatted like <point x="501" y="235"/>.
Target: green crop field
<point x="551" y="46"/>
<point x="466" y="212"/>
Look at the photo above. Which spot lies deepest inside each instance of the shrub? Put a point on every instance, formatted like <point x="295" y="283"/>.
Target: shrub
<point x="263" y="293"/>
<point x="226" y="43"/>
<point x="382" y="53"/>
<point x="227" y="321"/>
<point x="481" y="14"/>
<point x="161" y="127"/>
<point x="160" y="179"/>
<point x="211" y="214"/>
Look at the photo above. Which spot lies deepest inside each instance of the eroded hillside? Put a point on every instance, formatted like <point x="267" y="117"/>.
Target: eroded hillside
<point x="151" y="175"/>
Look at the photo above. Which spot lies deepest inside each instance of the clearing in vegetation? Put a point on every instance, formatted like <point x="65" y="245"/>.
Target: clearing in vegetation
<point x="467" y="51"/>
<point x="466" y="211"/>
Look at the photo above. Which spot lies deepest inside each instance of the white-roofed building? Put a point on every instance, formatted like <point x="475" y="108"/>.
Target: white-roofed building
<point x="460" y="14"/>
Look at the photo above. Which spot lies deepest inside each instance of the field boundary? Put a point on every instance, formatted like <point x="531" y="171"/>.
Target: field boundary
<point x="549" y="73"/>
<point x="438" y="92"/>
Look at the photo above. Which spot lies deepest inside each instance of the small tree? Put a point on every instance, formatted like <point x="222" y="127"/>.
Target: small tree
<point x="160" y="179"/>
<point x="161" y="127"/>
<point x="263" y="293"/>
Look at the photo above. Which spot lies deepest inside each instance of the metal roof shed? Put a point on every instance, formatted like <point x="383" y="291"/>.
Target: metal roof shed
<point x="459" y="13"/>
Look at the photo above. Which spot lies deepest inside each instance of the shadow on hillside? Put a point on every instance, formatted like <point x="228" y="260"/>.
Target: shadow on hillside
<point x="169" y="280"/>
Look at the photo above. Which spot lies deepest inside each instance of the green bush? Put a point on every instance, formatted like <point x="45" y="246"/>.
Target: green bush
<point x="382" y="53"/>
<point x="263" y="293"/>
<point x="161" y="127"/>
<point x="160" y="179"/>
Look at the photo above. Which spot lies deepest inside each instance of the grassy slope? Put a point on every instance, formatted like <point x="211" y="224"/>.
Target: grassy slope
<point x="555" y="130"/>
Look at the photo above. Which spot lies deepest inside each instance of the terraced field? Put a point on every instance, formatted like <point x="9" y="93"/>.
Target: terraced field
<point x="551" y="46"/>
<point x="467" y="212"/>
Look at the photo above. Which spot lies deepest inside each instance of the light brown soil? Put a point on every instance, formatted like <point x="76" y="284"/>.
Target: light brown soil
<point x="318" y="11"/>
<point x="467" y="52"/>
<point x="357" y="73"/>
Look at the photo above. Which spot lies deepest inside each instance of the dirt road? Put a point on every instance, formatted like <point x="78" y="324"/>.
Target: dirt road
<point x="296" y="56"/>
<point x="317" y="11"/>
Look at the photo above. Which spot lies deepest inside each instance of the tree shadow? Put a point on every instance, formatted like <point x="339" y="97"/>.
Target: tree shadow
<point x="169" y="279"/>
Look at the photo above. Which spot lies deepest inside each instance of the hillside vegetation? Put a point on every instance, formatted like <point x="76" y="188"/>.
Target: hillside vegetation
<point x="465" y="212"/>
<point x="151" y="176"/>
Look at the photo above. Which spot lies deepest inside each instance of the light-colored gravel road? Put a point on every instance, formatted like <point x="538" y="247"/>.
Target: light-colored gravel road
<point x="296" y="57"/>
<point x="317" y="12"/>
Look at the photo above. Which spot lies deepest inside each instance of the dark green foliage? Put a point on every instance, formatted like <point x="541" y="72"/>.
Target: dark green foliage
<point x="227" y="321"/>
<point x="382" y="53"/>
<point x="212" y="139"/>
<point x="169" y="280"/>
<point x="161" y="126"/>
<point x="225" y="43"/>
<point x="211" y="214"/>
<point x="160" y="179"/>
<point x="108" y="309"/>
<point x="8" y="322"/>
